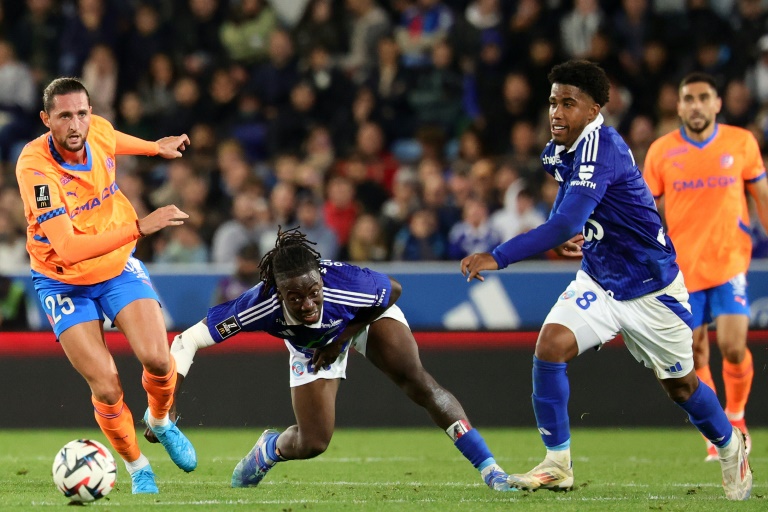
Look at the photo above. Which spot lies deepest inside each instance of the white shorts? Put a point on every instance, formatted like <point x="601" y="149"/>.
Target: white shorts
<point x="300" y="362"/>
<point x="656" y="327"/>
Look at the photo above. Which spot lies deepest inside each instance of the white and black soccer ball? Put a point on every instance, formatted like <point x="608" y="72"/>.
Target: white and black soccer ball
<point x="84" y="470"/>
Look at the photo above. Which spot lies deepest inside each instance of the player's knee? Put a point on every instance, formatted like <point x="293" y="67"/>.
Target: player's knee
<point x="733" y="354"/>
<point x="107" y="393"/>
<point x="157" y="364"/>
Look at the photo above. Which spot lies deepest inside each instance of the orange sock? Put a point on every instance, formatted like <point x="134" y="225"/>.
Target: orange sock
<point x="160" y="390"/>
<point x="116" y="421"/>
<point x="738" y="383"/>
<point x="705" y="375"/>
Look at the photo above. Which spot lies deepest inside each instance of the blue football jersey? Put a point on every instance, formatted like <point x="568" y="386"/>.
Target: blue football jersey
<point x="346" y="289"/>
<point x="626" y="250"/>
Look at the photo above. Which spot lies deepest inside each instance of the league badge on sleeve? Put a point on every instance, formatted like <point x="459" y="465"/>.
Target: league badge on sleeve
<point x="228" y="327"/>
<point x="42" y="197"/>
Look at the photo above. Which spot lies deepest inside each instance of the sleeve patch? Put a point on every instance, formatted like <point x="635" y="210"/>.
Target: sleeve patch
<point x="49" y="215"/>
<point x="42" y="196"/>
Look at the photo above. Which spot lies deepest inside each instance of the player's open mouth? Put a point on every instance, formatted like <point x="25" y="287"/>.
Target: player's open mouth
<point x="557" y="129"/>
<point x="310" y="318"/>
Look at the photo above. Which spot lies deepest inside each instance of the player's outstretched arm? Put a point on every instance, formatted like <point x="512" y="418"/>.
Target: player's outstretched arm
<point x="759" y="191"/>
<point x="162" y="217"/>
<point x="171" y="147"/>
<point x="472" y="265"/>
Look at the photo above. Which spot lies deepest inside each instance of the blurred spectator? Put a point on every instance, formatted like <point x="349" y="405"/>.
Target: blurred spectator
<point x="520" y="216"/>
<point x="13" y="305"/>
<point x="309" y="217"/>
<point x="748" y="23"/>
<point x="541" y="57"/>
<point x="340" y="208"/>
<point x="245" y="33"/>
<point x="616" y="111"/>
<point x="319" y="26"/>
<point x="13" y="250"/>
<point x="380" y="165"/>
<point x="739" y="109"/>
<point x="632" y="25"/>
<point x="177" y="172"/>
<point x="148" y="36"/>
<point x="482" y="183"/>
<point x="579" y="25"/>
<point x="667" y="119"/>
<point x="250" y="126"/>
<point x="100" y="78"/>
<point x="181" y="245"/>
<point x="390" y="83"/>
<point x="435" y="93"/>
<point x="156" y="87"/>
<point x="220" y="107"/>
<point x="420" y="239"/>
<point x="515" y="106"/>
<point x="481" y="21"/>
<point x="18" y="100"/>
<point x="88" y="23"/>
<point x="318" y="149"/>
<point x="531" y="19"/>
<point x="274" y="80"/>
<point x="423" y="25"/>
<point x="132" y="119"/>
<point x="369" y="23"/>
<point x="290" y="128"/>
<point x="474" y="233"/>
<point x="194" y="194"/>
<point x="250" y="220"/>
<point x="757" y="75"/>
<point x="245" y="276"/>
<point x="640" y="137"/>
<point x="282" y="205"/>
<point x="470" y="151"/>
<point x="196" y="36"/>
<point x="366" y="241"/>
<point x="36" y="38"/>
<point x="524" y="151"/>
<point x="347" y="121"/>
<point x="333" y="90"/>
<point x="656" y="67"/>
<point x="434" y="196"/>
<point x="369" y="193"/>
<point x="396" y="211"/>
<point x="185" y="110"/>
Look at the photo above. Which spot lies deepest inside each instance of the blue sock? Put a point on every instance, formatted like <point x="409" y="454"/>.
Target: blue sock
<point x="551" y="391"/>
<point x="271" y="449"/>
<point x="473" y="447"/>
<point x="708" y="416"/>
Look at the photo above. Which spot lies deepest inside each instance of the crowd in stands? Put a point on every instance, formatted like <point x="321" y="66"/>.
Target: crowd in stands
<point x="402" y="130"/>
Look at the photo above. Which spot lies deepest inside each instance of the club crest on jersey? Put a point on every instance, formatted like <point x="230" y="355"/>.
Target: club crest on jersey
<point x="297" y="368"/>
<point x="110" y="164"/>
<point x="586" y="172"/>
<point x="66" y="178"/>
<point x="726" y="161"/>
<point x="228" y="327"/>
<point x="42" y="197"/>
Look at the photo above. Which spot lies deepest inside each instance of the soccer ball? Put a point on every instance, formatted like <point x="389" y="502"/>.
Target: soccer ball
<point x="84" y="470"/>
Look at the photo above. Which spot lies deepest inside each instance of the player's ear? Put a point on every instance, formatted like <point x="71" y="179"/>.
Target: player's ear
<point x="45" y="119"/>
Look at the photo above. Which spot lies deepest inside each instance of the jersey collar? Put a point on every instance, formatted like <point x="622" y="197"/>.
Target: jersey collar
<point x="60" y="159"/>
<point x="594" y="125"/>
<point x="702" y="143"/>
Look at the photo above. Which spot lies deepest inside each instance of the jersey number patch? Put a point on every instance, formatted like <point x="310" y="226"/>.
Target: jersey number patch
<point x="66" y="306"/>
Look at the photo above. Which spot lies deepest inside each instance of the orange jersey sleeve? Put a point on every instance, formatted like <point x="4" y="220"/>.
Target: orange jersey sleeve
<point x="88" y="195"/>
<point x="705" y="205"/>
<point x="129" y="145"/>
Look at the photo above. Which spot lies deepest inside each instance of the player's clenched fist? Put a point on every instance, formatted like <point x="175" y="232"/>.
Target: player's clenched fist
<point x="472" y="265"/>
<point x="162" y="217"/>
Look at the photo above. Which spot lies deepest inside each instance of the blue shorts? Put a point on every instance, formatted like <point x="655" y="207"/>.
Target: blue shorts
<point x="71" y="304"/>
<point x="727" y="299"/>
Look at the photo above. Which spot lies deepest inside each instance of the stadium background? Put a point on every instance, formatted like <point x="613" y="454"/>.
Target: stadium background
<point x="400" y="134"/>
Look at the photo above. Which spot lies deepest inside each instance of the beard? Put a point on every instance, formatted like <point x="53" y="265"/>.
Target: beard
<point x="698" y="129"/>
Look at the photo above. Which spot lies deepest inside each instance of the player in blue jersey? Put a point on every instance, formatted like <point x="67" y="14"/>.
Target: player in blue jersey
<point x="322" y="308"/>
<point x="629" y="282"/>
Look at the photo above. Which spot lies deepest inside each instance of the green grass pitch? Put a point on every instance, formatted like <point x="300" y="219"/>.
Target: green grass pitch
<point x="400" y="469"/>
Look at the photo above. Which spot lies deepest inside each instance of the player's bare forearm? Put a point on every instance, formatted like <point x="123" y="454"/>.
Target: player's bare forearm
<point x="162" y="217"/>
<point x="571" y="248"/>
<point x="171" y="147"/>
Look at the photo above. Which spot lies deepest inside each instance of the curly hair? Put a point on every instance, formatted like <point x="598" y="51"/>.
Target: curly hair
<point x="291" y="257"/>
<point x="587" y="76"/>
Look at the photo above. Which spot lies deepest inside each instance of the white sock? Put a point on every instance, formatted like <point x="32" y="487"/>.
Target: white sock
<point x="561" y="457"/>
<point x="730" y="449"/>
<point x="161" y="422"/>
<point x="735" y="416"/>
<point x="136" y="465"/>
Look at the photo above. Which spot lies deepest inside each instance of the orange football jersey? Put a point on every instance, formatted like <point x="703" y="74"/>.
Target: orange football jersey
<point x="704" y="200"/>
<point x="88" y="194"/>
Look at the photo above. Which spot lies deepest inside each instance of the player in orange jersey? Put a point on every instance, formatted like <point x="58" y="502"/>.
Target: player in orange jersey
<point x="701" y="172"/>
<point x="81" y="234"/>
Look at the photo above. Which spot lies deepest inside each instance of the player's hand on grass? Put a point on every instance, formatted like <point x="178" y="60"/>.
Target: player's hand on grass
<point x="571" y="248"/>
<point x="171" y="147"/>
<point x="162" y="217"/>
<point x="472" y="265"/>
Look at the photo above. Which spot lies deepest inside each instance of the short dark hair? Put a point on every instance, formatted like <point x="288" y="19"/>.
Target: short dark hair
<point x="292" y="257"/>
<point x="60" y="87"/>
<point x="587" y="76"/>
<point x="698" y="77"/>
